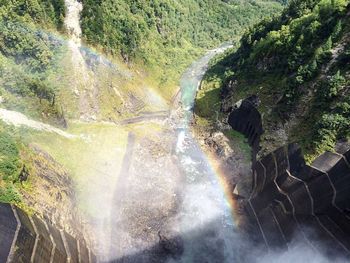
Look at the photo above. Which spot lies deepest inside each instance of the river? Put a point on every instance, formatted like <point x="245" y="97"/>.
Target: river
<point x="206" y="220"/>
<point x="169" y="204"/>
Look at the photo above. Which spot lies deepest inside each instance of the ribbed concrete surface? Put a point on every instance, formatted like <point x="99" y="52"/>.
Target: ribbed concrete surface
<point x="291" y="198"/>
<point x="29" y="239"/>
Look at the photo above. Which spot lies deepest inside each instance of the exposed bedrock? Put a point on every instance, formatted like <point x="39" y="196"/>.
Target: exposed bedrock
<point x="25" y="238"/>
<point x="246" y="119"/>
<point x="292" y="199"/>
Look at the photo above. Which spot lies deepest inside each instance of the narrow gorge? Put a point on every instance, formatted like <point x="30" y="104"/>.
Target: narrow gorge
<point x="174" y="131"/>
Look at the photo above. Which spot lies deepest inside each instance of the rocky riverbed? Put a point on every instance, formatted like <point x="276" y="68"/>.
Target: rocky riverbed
<point x="171" y="202"/>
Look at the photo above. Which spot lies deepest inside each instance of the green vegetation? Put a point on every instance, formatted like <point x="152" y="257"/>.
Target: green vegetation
<point x="208" y="100"/>
<point x="298" y="64"/>
<point x="166" y="35"/>
<point x="28" y="54"/>
<point x="10" y="165"/>
<point x="334" y="122"/>
<point x="27" y="58"/>
<point x="240" y="141"/>
<point x="158" y="39"/>
<point x="44" y="12"/>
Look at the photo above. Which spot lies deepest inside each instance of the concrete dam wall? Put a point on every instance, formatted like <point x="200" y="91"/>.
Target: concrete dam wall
<point x="290" y="198"/>
<point x="26" y="238"/>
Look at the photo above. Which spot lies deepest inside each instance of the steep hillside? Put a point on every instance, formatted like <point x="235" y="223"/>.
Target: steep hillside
<point x="164" y="36"/>
<point x="298" y="65"/>
<point x="49" y="76"/>
<point x="62" y="103"/>
<point x="28" y="54"/>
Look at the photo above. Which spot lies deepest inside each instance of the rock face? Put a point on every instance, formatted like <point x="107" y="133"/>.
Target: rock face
<point x="29" y="239"/>
<point x="52" y="194"/>
<point x="246" y="119"/>
<point x="290" y="198"/>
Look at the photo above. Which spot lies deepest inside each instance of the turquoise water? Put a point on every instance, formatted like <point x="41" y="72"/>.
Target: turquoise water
<point x="205" y="217"/>
<point x="191" y="80"/>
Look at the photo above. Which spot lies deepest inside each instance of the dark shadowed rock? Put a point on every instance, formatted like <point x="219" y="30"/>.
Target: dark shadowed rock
<point x="23" y="176"/>
<point x="245" y="118"/>
<point x="173" y="246"/>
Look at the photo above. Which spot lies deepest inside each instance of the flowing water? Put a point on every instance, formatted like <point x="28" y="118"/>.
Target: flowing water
<point x="168" y="203"/>
<point x="205" y="216"/>
<point x="171" y="206"/>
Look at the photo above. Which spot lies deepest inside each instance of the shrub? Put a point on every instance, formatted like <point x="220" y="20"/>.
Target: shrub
<point x="330" y="128"/>
<point x="9" y="194"/>
<point x="9" y="169"/>
<point x="333" y="86"/>
<point x="9" y="157"/>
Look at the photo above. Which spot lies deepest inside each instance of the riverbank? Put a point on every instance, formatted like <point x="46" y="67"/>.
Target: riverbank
<point x="216" y="137"/>
<point x="173" y="192"/>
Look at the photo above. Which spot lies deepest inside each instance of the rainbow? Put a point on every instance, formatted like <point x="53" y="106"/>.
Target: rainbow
<point x="227" y="187"/>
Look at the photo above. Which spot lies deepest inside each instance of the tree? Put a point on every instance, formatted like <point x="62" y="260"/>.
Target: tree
<point x="335" y="84"/>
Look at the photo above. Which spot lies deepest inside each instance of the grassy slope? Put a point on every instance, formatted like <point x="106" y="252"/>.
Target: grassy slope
<point x="27" y="55"/>
<point x="93" y="158"/>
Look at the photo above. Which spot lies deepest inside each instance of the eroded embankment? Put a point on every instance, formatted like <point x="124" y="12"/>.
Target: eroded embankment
<point x="83" y="85"/>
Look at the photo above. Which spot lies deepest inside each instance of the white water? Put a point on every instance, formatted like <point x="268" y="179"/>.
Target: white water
<point x="167" y="185"/>
<point x="72" y="20"/>
<point x="205" y="217"/>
